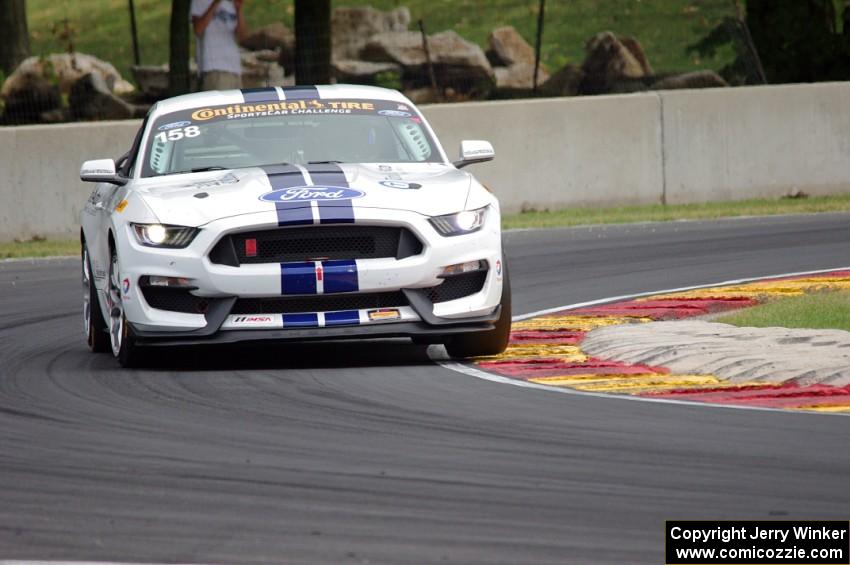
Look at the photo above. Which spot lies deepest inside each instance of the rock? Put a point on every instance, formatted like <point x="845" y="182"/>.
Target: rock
<point x="507" y="47"/>
<point x="257" y="72"/>
<point x="92" y="99"/>
<point x="273" y="36"/>
<point x="458" y="63"/>
<point x="362" y="72"/>
<point x="66" y="69"/>
<point x="152" y="80"/>
<point x="353" y="27"/>
<point x="519" y="76"/>
<point x="636" y="49"/>
<point x="607" y="61"/>
<point x="30" y="97"/>
<point x="696" y="79"/>
<point x="565" y="82"/>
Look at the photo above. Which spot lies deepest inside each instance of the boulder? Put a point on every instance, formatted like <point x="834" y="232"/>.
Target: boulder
<point x="353" y="27"/>
<point x="607" y="61"/>
<point x="696" y="79"/>
<point x="519" y="76"/>
<point x="65" y="69"/>
<point x="636" y="49"/>
<point x="152" y="80"/>
<point x="29" y="99"/>
<point x="362" y="72"/>
<point x="458" y="63"/>
<point x="273" y="36"/>
<point x="565" y="82"/>
<point x="258" y="71"/>
<point x="507" y="47"/>
<point x="92" y="99"/>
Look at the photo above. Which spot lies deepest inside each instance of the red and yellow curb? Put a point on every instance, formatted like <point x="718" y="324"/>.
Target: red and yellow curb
<point x="547" y="349"/>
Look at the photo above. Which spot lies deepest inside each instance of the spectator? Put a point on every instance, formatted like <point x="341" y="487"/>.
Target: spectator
<point x="218" y="24"/>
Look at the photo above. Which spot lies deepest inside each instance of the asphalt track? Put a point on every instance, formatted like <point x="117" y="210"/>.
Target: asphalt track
<point x="370" y="453"/>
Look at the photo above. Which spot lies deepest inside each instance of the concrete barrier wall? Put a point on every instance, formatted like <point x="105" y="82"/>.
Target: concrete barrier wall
<point x="40" y="187"/>
<point x="674" y="147"/>
<point x="737" y="143"/>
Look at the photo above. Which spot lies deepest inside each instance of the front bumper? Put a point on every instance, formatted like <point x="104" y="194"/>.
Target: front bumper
<point x="226" y="289"/>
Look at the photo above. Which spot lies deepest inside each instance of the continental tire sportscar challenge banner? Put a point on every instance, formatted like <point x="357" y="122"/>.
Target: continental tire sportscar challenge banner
<point x="757" y="542"/>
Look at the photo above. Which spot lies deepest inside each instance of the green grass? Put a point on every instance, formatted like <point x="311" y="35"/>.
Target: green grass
<point x="664" y="27"/>
<point x="659" y="213"/>
<point x="39" y="248"/>
<point x="822" y="310"/>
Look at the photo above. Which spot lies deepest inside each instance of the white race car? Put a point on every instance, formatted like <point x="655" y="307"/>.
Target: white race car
<point x="321" y="212"/>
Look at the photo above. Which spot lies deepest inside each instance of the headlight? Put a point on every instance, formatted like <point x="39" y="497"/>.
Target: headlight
<point x="461" y="223"/>
<point x="158" y="235"/>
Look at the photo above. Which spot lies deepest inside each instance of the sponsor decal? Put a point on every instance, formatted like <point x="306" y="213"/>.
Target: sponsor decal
<point x="120" y="206"/>
<point x="385" y="168"/>
<point x="283" y="108"/>
<point x="403" y="107"/>
<point x="229" y="178"/>
<point x="395" y="113"/>
<point x="311" y="193"/>
<point x="499" y="267"/>
<point x="125" y="286"/>
<point x="384" y="315"/>
<point x="253" y="320"/>
<point x="172" y="125"/>
<point x="401" y="184"/>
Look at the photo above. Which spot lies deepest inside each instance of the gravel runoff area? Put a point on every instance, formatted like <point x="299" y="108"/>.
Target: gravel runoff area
<point x="774" y="355"/>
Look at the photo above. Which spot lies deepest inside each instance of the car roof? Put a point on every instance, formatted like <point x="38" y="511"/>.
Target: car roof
<point x="273" y="94"/>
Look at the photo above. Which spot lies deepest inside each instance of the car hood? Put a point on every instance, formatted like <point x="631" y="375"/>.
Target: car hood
<point x="195" y="199"/>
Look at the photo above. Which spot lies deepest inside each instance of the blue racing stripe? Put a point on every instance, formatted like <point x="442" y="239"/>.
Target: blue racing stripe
<point x="298" y="278"/>
<point x="301" y="92"/>
<point x="336" y="212"/>
<point x="289" y="213"/>
<point x="260" y="94"/>
<point x="301" y="320"/>
<point x="347" y="318"/>
<point x="332" y="211"/>
<point x="340" y="276"/>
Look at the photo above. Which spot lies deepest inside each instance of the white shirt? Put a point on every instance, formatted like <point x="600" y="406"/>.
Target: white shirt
<point x="216" y="49"/>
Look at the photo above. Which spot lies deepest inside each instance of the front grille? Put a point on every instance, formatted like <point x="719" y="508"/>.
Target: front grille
<point x="174" y="300"/>
<point x="319" y="303"/>
<point x="315" y="243"/>
<point x="458" y="286"/>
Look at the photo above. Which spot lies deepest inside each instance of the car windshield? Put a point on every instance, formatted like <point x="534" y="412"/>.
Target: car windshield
<point x="296" y="132"/>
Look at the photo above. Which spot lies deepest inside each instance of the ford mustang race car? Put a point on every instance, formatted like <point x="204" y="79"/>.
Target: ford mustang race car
<point x="300" y="213"/>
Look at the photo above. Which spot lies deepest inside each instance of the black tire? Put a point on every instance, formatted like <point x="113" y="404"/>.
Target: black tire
<point x="491" y="342"/>
<point x="94" y="325"/>
<point x="122" y="342"/>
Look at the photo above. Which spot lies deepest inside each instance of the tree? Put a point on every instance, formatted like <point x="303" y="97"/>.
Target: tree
<point x="179" y="79"/>
<point x="795" y="41"/>
<point x="312" y="41"/>
<point x="14" y="36"/>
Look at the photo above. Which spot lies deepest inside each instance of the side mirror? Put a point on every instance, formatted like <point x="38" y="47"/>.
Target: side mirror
<point x="474" y="151"/>
<point x="100" y="170"/>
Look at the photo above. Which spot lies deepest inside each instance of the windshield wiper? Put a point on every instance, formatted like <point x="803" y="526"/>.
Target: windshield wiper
<point x="330" y="162"/>
<point x="195" y="170"/>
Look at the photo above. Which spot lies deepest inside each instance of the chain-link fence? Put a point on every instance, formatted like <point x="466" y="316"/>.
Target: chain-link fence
<point x="92" y="60"/>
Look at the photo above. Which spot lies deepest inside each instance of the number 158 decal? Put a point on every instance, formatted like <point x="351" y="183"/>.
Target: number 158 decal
<point x="178" y="134"/>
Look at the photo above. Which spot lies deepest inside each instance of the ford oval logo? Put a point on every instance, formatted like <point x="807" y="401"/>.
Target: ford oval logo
<point x="395" y="113"/>
<point x="310" y="193"/>
<point x="172" y="125"/>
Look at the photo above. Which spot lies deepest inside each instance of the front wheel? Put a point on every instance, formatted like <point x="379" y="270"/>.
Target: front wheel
<point x="121" y="338"/>
<point x="93" y="323"/>
<point x="490" y="342"/>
